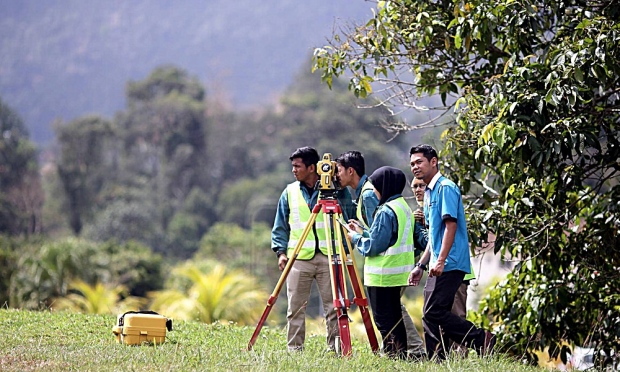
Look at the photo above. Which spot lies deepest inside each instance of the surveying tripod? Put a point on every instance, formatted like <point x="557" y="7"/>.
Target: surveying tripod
<point x="338" y="261"/>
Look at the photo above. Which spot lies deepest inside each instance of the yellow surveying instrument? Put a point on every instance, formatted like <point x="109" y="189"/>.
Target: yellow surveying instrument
<point x="342" y="264"/>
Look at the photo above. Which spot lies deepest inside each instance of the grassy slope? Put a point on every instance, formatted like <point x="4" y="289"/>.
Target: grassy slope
<point x="56" y="341"/>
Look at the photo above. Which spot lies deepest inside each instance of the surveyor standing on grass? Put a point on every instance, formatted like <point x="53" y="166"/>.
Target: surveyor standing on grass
<point x="421" y="240"/>
<point x="292" y="216"/>
<point x="388" y="250"/>
<point x="447" y="255"/>
<point x="352" y="173"/>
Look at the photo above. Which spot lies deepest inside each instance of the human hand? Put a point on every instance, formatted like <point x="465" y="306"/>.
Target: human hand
<point x="437" y="269"/>
<point x="418" y="215"/>
<point x="415" y="276"/>
<point x="354" y="225"/>
<point x="282" y="260"/>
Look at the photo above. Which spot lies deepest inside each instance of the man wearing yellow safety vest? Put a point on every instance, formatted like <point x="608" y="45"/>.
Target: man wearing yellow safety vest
<point x="292" y="216"/>
<point x="351" y="172"/>
<point x="388" y="250"/>
<point x="447" y="257"/>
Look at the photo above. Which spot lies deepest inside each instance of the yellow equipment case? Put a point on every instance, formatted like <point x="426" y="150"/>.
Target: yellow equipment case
<point x="137" y="327"/>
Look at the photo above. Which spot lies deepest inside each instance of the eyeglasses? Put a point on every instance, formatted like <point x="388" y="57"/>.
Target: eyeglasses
<point x="418" y="186"/>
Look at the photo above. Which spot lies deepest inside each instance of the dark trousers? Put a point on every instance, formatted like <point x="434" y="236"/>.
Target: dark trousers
<point x="440" y="324"/>
<point x="386" y="310"/>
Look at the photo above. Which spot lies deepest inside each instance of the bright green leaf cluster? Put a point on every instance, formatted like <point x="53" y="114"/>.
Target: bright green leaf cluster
<point x="536" y="91"/>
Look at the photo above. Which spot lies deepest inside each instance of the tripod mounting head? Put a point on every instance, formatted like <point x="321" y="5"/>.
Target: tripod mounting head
<point x="328" y="183"/>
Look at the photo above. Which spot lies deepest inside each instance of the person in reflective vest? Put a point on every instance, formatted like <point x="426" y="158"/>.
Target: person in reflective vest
<point x="292" y="215"/>
<point x="351" y="173"/>
<point x="388" y="250"/>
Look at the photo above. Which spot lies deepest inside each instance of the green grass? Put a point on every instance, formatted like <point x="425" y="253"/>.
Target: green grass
<point x="60" y="341"/>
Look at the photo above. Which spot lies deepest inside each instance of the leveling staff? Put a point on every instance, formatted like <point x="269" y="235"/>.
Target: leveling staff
<point x="294" y="211"/>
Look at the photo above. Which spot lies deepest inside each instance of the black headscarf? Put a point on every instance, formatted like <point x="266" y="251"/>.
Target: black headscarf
<point x="389" y="181"/>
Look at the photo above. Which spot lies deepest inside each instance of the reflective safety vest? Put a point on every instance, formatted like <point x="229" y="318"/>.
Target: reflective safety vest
<point x="299" y="215"/>
<point x="359" y="213"/>
<point x="392" y="267"/>
<point x="471" y="275"/>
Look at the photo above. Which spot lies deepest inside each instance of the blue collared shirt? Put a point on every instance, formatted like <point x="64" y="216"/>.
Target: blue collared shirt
<point x="281" y="230"/>
<point x="368" y="199"/>
<point x="442" y="200"/>
<point x="383" y="232"/>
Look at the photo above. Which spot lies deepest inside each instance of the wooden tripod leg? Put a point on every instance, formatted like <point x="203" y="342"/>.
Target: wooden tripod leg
<point x="274" y="295"/>
<point x="336" y="272"/>
<point x="360" y="298"/>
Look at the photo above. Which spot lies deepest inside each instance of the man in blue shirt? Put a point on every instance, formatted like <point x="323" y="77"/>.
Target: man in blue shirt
<point x="352" y="173"/>
<point x="421" y="240"/>
<point x="293" y="214"/>
<point x="447" y="255"/>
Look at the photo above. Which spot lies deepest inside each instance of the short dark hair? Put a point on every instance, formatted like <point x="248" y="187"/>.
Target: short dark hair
<point x="307" y="154"/>
<point x="427" y="150"/>
<point x="353" y="159"/>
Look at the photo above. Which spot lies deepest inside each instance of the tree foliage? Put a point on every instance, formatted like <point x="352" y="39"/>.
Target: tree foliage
<point x="8" y="259"/>
<point x="152" y="162"/>
<point x="535" y="145"/>
<point x="175" y="174"/>
<point x="84" y="165"/>
<point x="171" y="164"/>
<point x="211" y="295"/>
<point x="162" y="82"/>
<point x="131" y="265"/>
<point x="332" y="121"/>
<point x="241" y="249"/>
<point x="125" y="221"/>
<point x="46" y="270"/>
<point x="164" y="135"/>
<point x="21" y="195"/>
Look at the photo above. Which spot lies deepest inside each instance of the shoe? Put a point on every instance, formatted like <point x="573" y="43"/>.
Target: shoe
<point x="489" y="343"/>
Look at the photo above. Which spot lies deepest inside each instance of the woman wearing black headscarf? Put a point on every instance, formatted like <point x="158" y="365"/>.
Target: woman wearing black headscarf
<point x="389" y="257"/>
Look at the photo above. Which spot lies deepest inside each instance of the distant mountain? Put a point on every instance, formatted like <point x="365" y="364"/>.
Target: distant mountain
<point x="68" y="58"/>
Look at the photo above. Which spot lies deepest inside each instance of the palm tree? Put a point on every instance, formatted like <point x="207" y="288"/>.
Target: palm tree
<point x="97" y="299"/>
<point x="45" y="272"/>
<point x="216" y="295"/>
